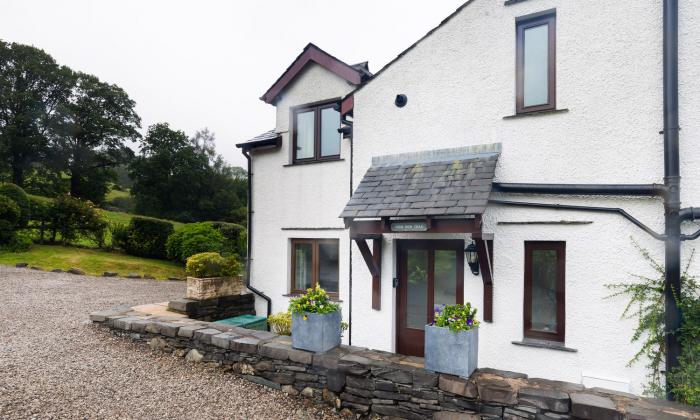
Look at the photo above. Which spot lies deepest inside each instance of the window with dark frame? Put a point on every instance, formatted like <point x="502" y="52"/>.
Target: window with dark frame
<point x="315" y="261"/>
<point x="544" y="304"/>
<point x="316" y="136"/>
<point x="536" y="62"/>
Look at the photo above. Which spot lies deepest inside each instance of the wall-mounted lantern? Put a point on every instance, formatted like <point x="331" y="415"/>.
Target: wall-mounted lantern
<point x="472" y="258"/>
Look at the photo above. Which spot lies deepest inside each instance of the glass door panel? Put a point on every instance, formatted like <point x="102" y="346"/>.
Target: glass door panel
<point x="445" y="277"/>
<point x="417" y="288"/>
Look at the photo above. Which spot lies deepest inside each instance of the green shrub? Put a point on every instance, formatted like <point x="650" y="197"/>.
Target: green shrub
<point x="280" y="323"/>
<point x="211" y="264"/>
<point x="70" y="217"/>
<point x="193" y="239"/>
<point x="10" y="217"/>
<point x="646" y="305"/>
<point x="20" y="198"/>
<point x="39" y="216"/>
<point x="21" y="241"/>
<point x="235" y="238"/>
<point x="143" y="237"/>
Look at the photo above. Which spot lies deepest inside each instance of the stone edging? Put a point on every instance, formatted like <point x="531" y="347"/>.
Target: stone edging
<point x="79" y="272"/>
<point x="362" y="381"/>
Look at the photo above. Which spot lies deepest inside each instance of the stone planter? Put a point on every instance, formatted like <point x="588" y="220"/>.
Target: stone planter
<point x="450" y="352"/>
<point x="318" y="333"/>
<point x="213" y="287"/>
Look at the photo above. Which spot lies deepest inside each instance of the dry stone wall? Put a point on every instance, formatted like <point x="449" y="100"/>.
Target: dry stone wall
<point x="215" y="308"/>
<point x="358" y="381"/>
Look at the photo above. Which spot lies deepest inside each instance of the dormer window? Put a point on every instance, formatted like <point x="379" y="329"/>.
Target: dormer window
<point x="316" y="136"/>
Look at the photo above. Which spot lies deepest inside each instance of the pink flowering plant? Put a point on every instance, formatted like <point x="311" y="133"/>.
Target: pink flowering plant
<point x="459" y="317"/>
<point x="314" y="301"/>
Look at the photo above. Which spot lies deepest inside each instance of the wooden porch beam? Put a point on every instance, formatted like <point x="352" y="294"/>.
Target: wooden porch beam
<point x="471" y="226"/>
<point x="368" y="257"/>
<point x="484" y="251"/>
<point x="373" y="259"/>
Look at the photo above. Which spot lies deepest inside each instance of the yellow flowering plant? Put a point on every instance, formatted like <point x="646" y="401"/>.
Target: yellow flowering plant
<point x="314" y="301"/>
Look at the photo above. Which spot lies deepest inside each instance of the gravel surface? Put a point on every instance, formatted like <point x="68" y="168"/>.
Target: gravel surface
<point x="54" y="364"/>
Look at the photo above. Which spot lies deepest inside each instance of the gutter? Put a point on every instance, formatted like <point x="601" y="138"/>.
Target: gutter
<point x="649" y="190"/>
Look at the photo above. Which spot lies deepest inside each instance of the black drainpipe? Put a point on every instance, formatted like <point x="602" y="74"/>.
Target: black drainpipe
<point x="347" y="131"/>
<point x="250" y="236"/>
<point x="670" y="191"/>
<point x="672" y="181"/>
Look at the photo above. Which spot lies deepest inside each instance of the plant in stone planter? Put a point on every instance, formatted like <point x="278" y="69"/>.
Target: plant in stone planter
<point x="316" y="321"/>
<point x="452" y="340"/>
<point x="209" y="275"/>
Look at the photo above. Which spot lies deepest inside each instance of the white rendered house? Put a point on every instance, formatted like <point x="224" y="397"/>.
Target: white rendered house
<point x="430" y="161"/>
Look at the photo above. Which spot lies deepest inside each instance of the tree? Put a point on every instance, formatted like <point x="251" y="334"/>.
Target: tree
<point x="32" y="87"/>
<point x="183" y="178"/>
<point x="96" y="122"/>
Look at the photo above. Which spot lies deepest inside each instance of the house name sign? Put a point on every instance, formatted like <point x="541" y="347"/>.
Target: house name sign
<point x="409" y="226"/>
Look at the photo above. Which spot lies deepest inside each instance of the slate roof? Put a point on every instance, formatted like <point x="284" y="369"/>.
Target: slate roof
<point x="435" y="183"/>
<point x="260" y="138"/>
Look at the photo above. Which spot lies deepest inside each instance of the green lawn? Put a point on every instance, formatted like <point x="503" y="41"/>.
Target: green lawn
<point x="112" y="194"/>
<point x="125" y="218"/>
<point x="92" y="261"/>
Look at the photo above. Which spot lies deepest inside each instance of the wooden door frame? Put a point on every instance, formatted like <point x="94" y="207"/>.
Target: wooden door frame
<point x="431" y="245"/>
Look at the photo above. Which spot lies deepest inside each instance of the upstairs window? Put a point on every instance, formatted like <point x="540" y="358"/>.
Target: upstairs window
<point x="535" y="62"/>
<point x="316" y="136"/>
<point x="544" y="290"/>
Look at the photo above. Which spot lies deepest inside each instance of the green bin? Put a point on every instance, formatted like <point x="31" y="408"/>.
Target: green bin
<point x="251" y="322"/>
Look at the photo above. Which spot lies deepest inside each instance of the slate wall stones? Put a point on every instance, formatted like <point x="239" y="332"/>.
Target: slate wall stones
<point x="373" y="383"/>
<point x="216" y="308"/>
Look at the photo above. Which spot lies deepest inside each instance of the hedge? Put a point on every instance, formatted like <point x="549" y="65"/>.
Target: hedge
<point x="143" y="237"/>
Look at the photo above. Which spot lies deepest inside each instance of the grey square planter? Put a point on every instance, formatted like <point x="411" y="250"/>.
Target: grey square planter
<point x="450" y="352"/>
<point x="318" y="333"/>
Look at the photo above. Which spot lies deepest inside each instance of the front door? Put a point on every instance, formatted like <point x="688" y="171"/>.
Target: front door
<point x="430" y="273"/>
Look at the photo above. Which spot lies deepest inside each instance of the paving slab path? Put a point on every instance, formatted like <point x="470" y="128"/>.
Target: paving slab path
<point x="54" y="364"/>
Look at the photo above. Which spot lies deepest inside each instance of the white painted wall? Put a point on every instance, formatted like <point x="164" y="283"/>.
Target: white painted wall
<point x="305" y="198"/>
<point x="460" y="83"/>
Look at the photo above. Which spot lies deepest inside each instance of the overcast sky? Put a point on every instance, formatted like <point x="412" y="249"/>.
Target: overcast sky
<point x="201" y="63"/>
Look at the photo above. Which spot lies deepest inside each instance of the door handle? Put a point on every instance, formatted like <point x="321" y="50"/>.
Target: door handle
<point x="395" y="282"/>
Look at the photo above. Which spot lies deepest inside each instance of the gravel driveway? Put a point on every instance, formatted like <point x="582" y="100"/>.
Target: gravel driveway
<point x="55" y="365"/>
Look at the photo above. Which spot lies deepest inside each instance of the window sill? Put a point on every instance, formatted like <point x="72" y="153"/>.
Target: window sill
<point x="544" y="344"/>
<point x="296" y="295"/>
<point x="311" y="162"/>
<point x="537" y="113"/>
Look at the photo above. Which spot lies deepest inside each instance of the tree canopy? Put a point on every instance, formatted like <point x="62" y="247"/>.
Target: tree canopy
<point x="63" y="131"/>
<point x="183" y="178"/>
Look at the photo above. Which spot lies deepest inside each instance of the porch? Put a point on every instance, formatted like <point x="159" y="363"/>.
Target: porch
<point x="419" y="215"/>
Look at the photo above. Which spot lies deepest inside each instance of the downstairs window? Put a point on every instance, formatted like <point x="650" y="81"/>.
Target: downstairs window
<point x="315" y="261"/>
<point x="544" y="305"/>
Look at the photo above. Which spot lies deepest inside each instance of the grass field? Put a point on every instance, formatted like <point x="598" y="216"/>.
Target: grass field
<point x="125" y="218"/>
<point x="112" y="194"/>
<point x="92" y="261"/>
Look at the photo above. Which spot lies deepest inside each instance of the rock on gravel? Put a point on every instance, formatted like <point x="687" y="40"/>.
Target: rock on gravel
<point x="54" y="365"/>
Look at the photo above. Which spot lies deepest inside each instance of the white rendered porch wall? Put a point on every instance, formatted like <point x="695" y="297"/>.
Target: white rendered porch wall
<point x="460" y="83"/>
<point x="307" y="198"/>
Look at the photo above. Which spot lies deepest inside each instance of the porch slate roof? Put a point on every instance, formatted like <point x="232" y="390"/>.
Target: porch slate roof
<point x="434" y="183"/>
<point x="260" y="139"/>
